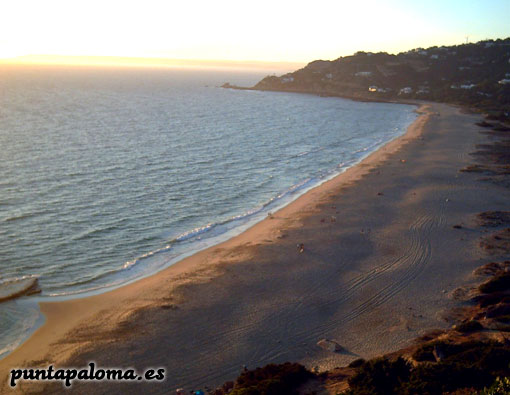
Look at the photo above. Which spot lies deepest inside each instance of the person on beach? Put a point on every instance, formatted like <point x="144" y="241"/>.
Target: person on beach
<point x="301" y="247"/>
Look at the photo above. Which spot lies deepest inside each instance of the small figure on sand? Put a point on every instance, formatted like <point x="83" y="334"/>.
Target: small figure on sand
<point x="301" y="247"/>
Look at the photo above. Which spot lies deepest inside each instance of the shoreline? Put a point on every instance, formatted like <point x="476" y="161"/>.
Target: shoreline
<point x="43" y="299"/>
<point x="62" y="296"/>
<point x="54" y="326"/>
<point x="363" y="98"/>
<point x="114" y="309"/>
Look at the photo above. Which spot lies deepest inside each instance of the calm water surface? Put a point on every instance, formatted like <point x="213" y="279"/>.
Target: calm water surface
<point x="109" y="175"/>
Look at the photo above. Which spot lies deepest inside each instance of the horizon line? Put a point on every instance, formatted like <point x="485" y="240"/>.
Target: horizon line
<point x="134" y="61"/>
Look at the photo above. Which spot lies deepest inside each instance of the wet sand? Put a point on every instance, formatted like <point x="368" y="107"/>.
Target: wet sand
<point x="380" y="261"/>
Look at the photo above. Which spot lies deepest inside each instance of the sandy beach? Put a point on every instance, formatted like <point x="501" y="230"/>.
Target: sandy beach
<point x="381" y="260"/>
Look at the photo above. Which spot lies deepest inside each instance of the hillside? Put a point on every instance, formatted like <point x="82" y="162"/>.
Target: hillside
<point x="476" y="75"/>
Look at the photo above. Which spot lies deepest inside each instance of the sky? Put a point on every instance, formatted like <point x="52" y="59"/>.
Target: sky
<point x="262" y="30"/>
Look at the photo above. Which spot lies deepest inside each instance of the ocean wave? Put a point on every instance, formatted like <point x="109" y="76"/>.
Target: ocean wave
<point x="17" y="217"/>
<point x="186" y="239"/>
<point x="17" y="321"/>
<point x="118" y="276"/>
<point x="312" y="151"/>
<point x="90" y="233"/>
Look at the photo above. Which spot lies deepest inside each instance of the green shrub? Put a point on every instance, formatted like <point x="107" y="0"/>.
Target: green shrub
<point x="380" y="376"/>
<point x="424" y="353"/>
<point x="438" y="378"/>
<point x="504" y="318"/>
<point x="501" y="386"/>
<point x="492" y="299"/>
<point x="465" y="365"/>
<point x="357" y="363"/>
<point x="272" y="379"/>
<point x="498" y="283"/>
<point x="468" y="327"/>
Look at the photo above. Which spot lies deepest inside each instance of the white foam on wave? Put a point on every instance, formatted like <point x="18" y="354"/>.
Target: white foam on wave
<point x="19" y="319"/>
<point x="189" y="243"/>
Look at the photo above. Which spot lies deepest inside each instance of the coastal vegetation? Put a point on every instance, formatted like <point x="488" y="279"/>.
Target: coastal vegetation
<point x="475" y="74"/>
<point x="435" y="367"/>
<point x="272" y="379"/>
<point x="469" y="366"/>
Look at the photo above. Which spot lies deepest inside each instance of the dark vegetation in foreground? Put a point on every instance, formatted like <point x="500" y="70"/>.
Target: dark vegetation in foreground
<point x="270" y="380"/>
<point x="470" y="365"/>
<point x="437" y="367"/>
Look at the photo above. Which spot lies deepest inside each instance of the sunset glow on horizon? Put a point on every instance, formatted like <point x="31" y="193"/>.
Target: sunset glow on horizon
<point x="114" y="61"/>
<point x="227" y="30"/>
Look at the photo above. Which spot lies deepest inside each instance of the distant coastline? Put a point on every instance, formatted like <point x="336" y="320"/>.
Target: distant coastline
<point x="361" y="97"/>
<point x="475" y="75"/>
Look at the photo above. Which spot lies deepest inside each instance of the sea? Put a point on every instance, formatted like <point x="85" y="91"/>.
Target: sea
<point x="111" y="174"/>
